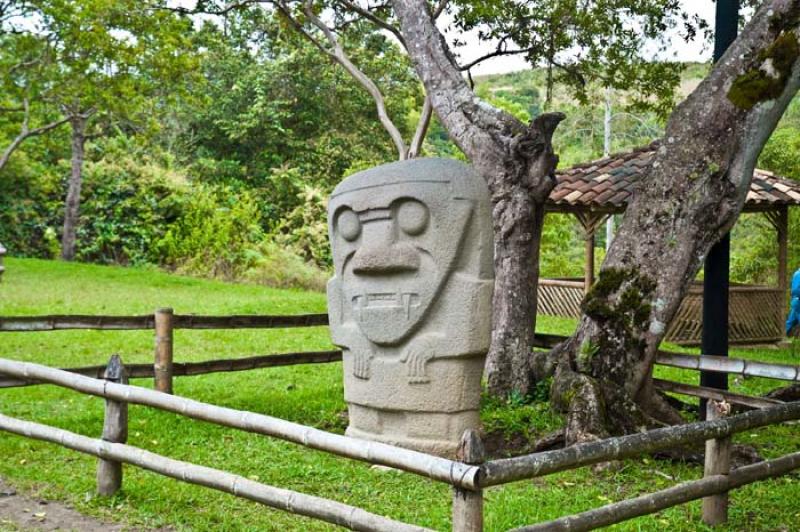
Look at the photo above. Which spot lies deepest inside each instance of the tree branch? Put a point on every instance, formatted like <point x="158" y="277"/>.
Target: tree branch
<point x="480" y="130"/>
<point x="216" y="12"/>
<point x="497" y="53"/>
<point x="439" y="9"/>
<point x="422" y="128"/>
<point x="26" y="133"/>
<point x="341" y="57"/>
<point x="367" y="14"/>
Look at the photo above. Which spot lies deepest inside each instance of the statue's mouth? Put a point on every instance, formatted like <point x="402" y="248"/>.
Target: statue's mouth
<point x="385" y="302"/>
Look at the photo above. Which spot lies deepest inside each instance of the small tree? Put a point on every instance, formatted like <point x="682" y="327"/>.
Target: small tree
<point x="97" y="67"/>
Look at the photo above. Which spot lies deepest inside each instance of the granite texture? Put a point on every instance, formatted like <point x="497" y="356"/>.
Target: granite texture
<point x="410" y="303"/>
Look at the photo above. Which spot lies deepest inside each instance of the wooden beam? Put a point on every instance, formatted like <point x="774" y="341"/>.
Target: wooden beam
<point x="434" y="467"/>
<point x="290" y="501"/>
<point x="506" y="470"/>
<point x="590" y="221"/>
<point x="705" y="392"/>
<point x="682" y="493"/>
<point x="468" y="504"/>
<point x="717" y="462"/>
<point x="190" y="369"/>
<point x="180" y="321"/>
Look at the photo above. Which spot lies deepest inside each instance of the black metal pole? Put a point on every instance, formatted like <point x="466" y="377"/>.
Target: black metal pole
<point x="717" y="268"/>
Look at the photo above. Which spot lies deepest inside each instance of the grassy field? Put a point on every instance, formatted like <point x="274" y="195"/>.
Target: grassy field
<point x="306" y="394"/>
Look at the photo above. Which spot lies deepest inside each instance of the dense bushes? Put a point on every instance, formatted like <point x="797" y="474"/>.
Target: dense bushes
<point x="137" y="210"/>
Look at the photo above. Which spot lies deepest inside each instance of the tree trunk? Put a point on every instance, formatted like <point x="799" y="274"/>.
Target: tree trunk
<point x="691" y="195"/>
<point x="518" y="163"/>
<point x="72" y="206"/>
<point x="516" y="258"/>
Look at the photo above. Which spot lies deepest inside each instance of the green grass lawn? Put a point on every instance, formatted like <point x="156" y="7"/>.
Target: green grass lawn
<point x="305" y="394"/>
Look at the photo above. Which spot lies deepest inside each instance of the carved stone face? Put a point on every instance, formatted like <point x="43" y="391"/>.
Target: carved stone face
<point x="393" y="247"/>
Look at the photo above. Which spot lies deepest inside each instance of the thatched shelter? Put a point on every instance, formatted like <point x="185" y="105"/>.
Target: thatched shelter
<point x="596" y="190"/>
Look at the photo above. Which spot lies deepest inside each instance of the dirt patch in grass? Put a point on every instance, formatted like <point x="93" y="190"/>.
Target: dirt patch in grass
<point x="22" y="512"/>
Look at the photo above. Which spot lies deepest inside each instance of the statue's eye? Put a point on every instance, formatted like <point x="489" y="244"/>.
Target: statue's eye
<point x="348" y="225"/>
<point x="412" y="216"/>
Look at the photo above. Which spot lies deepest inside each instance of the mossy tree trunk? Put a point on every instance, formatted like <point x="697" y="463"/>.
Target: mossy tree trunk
<point x="518" y="163"/>
<point x="691" y="195"/>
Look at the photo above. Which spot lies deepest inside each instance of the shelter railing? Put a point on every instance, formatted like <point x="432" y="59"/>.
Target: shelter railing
<point x="756" y="312"/>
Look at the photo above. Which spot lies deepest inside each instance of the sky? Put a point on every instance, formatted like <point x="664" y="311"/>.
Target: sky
<point x="692" y="51"/>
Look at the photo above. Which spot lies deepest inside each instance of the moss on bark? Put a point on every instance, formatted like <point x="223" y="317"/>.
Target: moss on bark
<point x="766" y="81"/>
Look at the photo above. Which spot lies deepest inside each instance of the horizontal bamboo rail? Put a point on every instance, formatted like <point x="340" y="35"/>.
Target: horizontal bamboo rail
<point x="705" y="392"/>
<point x="736" y="366"/>
<point x="181" y="321"/>
<point x="190" y="369"/>
<point x="682" y="493"/>
<point x="291" y="501"/>
<point x="441" y="469"/>
<point x="583" y="454"/>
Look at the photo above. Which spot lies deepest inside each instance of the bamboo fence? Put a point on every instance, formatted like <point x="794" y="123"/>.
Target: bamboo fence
<point x="468" y="475"/>
<point x="281" y="499"/>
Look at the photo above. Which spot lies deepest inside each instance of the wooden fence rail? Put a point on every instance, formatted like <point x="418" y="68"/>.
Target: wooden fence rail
<point x="467" y="476"/>
<point x="539" y="464"/>
<point x="180" y="321"/>
<point x="190" y="369"/>
<point x="163" y="322"/>
<point x="660" y="500"/>
<point x="282" y="499"/>
<point x="467" y="479"/>
<point x="434" y="467"/>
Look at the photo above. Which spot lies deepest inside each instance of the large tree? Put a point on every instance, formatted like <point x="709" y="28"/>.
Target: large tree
<point x="691" y="195"/>
<point x="582" y="41"/>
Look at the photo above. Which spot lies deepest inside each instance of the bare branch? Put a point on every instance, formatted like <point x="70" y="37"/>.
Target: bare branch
<point x="479" y="129"/>
<point x="422" y="128"/>
<point x="284" y="10"/>
<point x="367" y="14"/>
<point x="26" y="133"/>
<point x="217" y="12"/>
<point x="497" y="53"/>
<point x="341" y="57"/>
<point x="439" y="9"/>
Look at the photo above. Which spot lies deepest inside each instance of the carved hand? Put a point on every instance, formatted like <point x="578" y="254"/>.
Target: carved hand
<point x="417" y="355"/>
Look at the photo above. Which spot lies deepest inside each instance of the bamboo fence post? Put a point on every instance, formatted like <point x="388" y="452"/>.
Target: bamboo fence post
<point x="115" y="430"/>
<point x="162" y="367"/>
<point x="717" y="462"/>
<point x="468" y="504"/>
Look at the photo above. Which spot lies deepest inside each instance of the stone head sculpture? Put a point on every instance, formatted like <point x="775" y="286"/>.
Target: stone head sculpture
<point x="410" y="302"/>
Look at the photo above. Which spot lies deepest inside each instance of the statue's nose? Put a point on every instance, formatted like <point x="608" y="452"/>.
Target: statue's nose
<point x="379" y="255"/>
<point x="387" y="259"/>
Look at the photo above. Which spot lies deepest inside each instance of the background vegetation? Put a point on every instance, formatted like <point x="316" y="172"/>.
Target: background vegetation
<point x="228" y="174"/>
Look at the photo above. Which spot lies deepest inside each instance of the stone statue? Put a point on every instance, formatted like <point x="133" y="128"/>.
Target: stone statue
<point x="410" y="302"/>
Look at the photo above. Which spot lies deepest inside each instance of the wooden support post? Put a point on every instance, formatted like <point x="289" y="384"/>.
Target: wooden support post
<point x="115" y="430"/>
<point x="468" y="504"/>
<point x="718" y="462"/>
<point x="783" y="260"/>
<point x="162" y="366"/>
<point x="588" y="280"/>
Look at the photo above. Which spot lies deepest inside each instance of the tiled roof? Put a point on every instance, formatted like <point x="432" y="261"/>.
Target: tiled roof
<point x="607" y="184"/>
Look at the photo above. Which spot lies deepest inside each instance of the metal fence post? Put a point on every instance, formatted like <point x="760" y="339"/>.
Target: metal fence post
<point x="467" y="504"/>
<point x="115" y="430"/>
<point x="717" y="462"/>
<point x="162" y="366"/>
